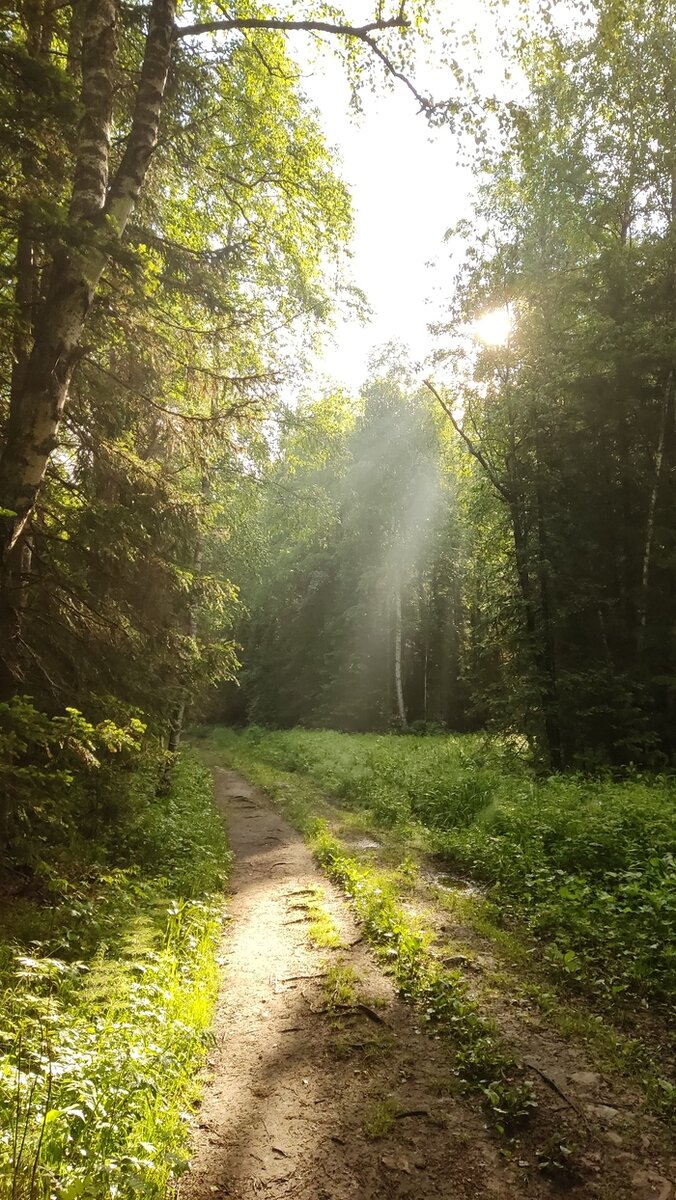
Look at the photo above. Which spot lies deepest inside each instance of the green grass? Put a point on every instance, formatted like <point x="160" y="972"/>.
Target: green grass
<point x="379" y="1118"/>
<point x="441" y="996"/>
<point x="109" y="983"/>
<point x="585" y="865"/>
<point x="323" y="930"/>
<point x="340" y="987"/>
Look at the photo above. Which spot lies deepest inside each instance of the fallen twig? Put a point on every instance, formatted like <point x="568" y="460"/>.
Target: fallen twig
<point x="555" y="1088"/>
<point x="371" y="1013"/>
<point x="316" y="1012"/>
<point x="352" y="1008"/>
<point x="291" y="978"/>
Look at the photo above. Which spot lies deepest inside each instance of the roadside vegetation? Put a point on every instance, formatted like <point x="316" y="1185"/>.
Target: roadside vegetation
<point x="107" y="966"/>
<point x="586" y="865"/>
<point x="331" y="786"/>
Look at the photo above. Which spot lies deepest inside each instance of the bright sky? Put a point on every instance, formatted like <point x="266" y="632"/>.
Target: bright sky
<point x="407" y="191"/>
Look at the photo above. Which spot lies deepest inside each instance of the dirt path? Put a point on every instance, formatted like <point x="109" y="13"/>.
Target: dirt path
<point x="298" y="1089"/>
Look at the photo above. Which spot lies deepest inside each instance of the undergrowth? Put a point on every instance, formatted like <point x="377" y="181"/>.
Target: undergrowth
<point x="441" y="995"/>
<point x="586" y="865"/>
<point x="109" y="981"/>
<point x="558" y="992"/>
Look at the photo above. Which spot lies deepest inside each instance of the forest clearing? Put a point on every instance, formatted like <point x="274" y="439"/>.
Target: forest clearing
<point x="337" y="599"/>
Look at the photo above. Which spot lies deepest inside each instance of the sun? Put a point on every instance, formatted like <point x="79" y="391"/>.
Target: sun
<point x="494" y="327"/>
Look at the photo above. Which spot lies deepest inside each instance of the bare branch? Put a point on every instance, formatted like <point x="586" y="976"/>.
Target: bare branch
<point x="474" y="450"/>
<point x="358" y="31"/>
<point x="425" y="103"/>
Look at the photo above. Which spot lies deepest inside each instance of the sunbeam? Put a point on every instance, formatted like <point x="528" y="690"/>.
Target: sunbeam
<point x="493" y="328"/>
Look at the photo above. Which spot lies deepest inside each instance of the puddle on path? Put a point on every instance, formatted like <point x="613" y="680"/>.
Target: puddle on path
<point x="451" y="883"/>
<point x="362" y="843"/>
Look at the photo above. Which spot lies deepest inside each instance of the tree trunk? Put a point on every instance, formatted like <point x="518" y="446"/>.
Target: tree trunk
<point x="401" y="708"/>
<point x="650" y="519"/>
<point x="543" y="667"/>
<point x="546" y="645"/>
<point x="16" y="565"/>
<point x="96" y="213"/>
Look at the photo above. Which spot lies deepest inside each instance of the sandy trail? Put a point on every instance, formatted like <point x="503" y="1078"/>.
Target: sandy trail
<point x="292" y="1086"/>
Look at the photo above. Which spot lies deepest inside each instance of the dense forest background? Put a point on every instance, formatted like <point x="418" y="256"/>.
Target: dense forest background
<point x="488" y="541"/>
<point x="499" y="548"/>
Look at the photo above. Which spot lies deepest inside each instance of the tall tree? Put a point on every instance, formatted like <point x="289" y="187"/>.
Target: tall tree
<point x="137" y="80"/>
<point x="568" y="421"/>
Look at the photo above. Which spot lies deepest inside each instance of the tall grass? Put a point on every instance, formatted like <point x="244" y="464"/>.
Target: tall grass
<point x="109" y="984"/>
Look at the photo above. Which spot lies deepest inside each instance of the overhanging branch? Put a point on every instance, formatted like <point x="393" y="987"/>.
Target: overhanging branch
<point x="228" y="23"/>
<point x="361" y="33"/>
<point x="474" y="450"/>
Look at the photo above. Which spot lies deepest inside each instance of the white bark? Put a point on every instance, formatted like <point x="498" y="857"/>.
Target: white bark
<point x="401" y="707"/>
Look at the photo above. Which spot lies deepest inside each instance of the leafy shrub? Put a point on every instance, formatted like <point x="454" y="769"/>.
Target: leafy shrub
<point x="179" y="835"/>
<point x="62" y="778"/>
<point x="107" y="1000"/>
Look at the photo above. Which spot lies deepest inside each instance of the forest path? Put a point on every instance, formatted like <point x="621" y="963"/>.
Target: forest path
<point x="293" y="1085"/>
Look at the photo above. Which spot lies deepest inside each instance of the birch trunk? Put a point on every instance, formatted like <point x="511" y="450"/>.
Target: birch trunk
<point x="96" y="214"/>
<point x="401" y="708"/>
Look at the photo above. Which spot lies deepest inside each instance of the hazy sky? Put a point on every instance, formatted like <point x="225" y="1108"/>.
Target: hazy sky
<point x="407" y="191"/>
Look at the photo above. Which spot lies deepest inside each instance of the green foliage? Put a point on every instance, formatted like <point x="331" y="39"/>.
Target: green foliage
<point x="590" y="868"/>
<point x="585" y="864"/>
<point x="569" y="478"/>
<point x="62" y="777"/>
<point x="108" y="995"/>
<point x="355" y="522"/>
<point x="125" y="585"/>
<point x="179" y="836"/>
